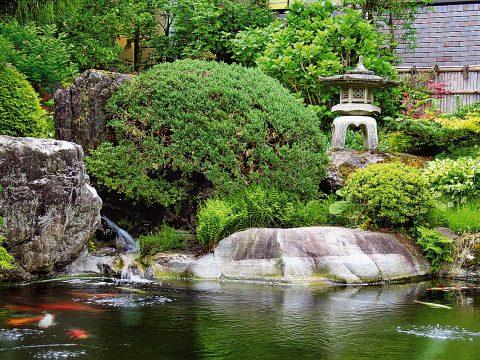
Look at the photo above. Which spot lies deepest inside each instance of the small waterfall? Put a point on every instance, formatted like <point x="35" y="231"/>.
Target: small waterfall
<point x="131" y="271"/>
<point x="123" y="240"/>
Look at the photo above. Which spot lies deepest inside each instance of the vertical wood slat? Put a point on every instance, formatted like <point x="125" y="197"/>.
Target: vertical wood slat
<point x="453" y="77"/>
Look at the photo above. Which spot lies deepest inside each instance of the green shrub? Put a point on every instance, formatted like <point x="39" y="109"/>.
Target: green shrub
<point x="40" y="53"/>
<point x="460" y="218"/>
<point x="455" y="152"/>
<point x="436" y="247"/>
<point x="463" y="111"/>
<point x="20" y="110"/>
<point x="389" y="195"/>
<point x="193" y="127"/>
<point x="454" y="181"/>
<point x="164" y="239"/>
<point x="6" y="260"/>
<point x="431" y="136"/>
<point x="256" y="207"/>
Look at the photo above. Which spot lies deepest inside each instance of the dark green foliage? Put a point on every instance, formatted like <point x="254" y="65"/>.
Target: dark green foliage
<point x="436" y="247"/>
<point x="40" y="53"/>
<point x="20" y="110"/>
<point x="256" y="207"/>
<point x="191" y="127"/>
<point x="203" y="28"/>
<point x="42" y="11"/>
<point x="460" y="218"/>
<point x="388" y="195"/>
<point x="166" y="238"/>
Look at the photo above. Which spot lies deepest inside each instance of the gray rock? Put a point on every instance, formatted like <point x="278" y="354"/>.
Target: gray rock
<point x="344" y="162"/>
<point x="50" y="211"/>
<point x="102" y="262"/>
<point x="306" y="254"/>
<point x="80" y="109"/>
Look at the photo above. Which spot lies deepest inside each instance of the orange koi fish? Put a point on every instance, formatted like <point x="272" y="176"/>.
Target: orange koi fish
<point x="77" y="334"/>
<point x="22" y="308"/>
<point x="24" y="321"/>
<point x="68" y="306"/>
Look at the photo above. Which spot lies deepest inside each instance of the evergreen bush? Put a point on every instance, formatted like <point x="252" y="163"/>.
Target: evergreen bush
<point x="20" y="110"/>
<point x="389" y="195"/>
<point x="192" y="128"/>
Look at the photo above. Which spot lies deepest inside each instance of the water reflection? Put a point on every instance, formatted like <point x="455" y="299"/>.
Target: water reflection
<point x="241" y="321"/>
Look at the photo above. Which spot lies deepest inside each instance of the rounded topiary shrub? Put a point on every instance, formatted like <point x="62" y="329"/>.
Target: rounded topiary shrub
<point x="190" y="128"/>
<point x="20" y="109"/>
<point x="392" y="194"/>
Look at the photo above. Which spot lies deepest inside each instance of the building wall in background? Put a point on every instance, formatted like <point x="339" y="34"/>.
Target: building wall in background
<point x="447" y="35"/>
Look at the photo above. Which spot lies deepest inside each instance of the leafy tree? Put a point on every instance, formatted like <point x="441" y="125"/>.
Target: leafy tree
<point x="40" y="53"/>
<point x="203" y="28"/>
<point x="316" y="41"/>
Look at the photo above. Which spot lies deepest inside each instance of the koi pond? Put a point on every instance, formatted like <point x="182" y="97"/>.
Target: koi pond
<point x="105" y="319"/>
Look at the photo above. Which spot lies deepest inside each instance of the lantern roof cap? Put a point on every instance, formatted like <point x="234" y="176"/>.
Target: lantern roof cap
<point x="358" y="76"/>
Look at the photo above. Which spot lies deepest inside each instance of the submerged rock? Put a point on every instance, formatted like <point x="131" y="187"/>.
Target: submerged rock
<point x="343" y="163"/>
<point x="80" y="108"/>
<point x="305" y="254"/>
<point x="50" y="210"/>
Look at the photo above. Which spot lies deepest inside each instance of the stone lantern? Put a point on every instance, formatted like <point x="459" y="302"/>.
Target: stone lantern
<point x="356" y="105"/>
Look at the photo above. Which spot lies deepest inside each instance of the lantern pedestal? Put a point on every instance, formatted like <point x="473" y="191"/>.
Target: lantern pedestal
<point x="367" y="125"/>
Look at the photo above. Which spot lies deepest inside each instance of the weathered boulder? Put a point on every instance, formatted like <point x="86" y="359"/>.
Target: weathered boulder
<point x="50" y="211"/>
<point x="344" y="162"/>
<point x="80" y="114"/>
<point x="304" y="254"/>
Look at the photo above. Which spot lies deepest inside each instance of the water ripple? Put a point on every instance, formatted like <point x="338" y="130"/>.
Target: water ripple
<point x="17" y="334"/>
<point x="131" y="301"/>
<point x="60" y="354"/>
<point x="441" y="332"/>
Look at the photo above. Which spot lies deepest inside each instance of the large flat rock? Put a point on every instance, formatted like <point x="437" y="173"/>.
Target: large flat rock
<point x="305" y="254"/>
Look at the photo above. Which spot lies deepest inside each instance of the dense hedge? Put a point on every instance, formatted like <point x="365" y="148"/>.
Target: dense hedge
<point x="20" y="109"/>
<point x="195" y="127"/>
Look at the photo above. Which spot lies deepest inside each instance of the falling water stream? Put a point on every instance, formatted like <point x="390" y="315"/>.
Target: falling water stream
<point x="131" y="270"/>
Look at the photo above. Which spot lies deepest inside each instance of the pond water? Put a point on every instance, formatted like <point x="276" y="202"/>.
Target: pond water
<point x="102" y="319"/>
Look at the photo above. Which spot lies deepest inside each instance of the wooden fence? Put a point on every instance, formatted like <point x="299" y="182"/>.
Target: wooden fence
<point x="462" y="83"/>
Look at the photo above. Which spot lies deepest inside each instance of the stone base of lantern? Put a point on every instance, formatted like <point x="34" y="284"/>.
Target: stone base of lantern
<point x="367" y="125"/>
